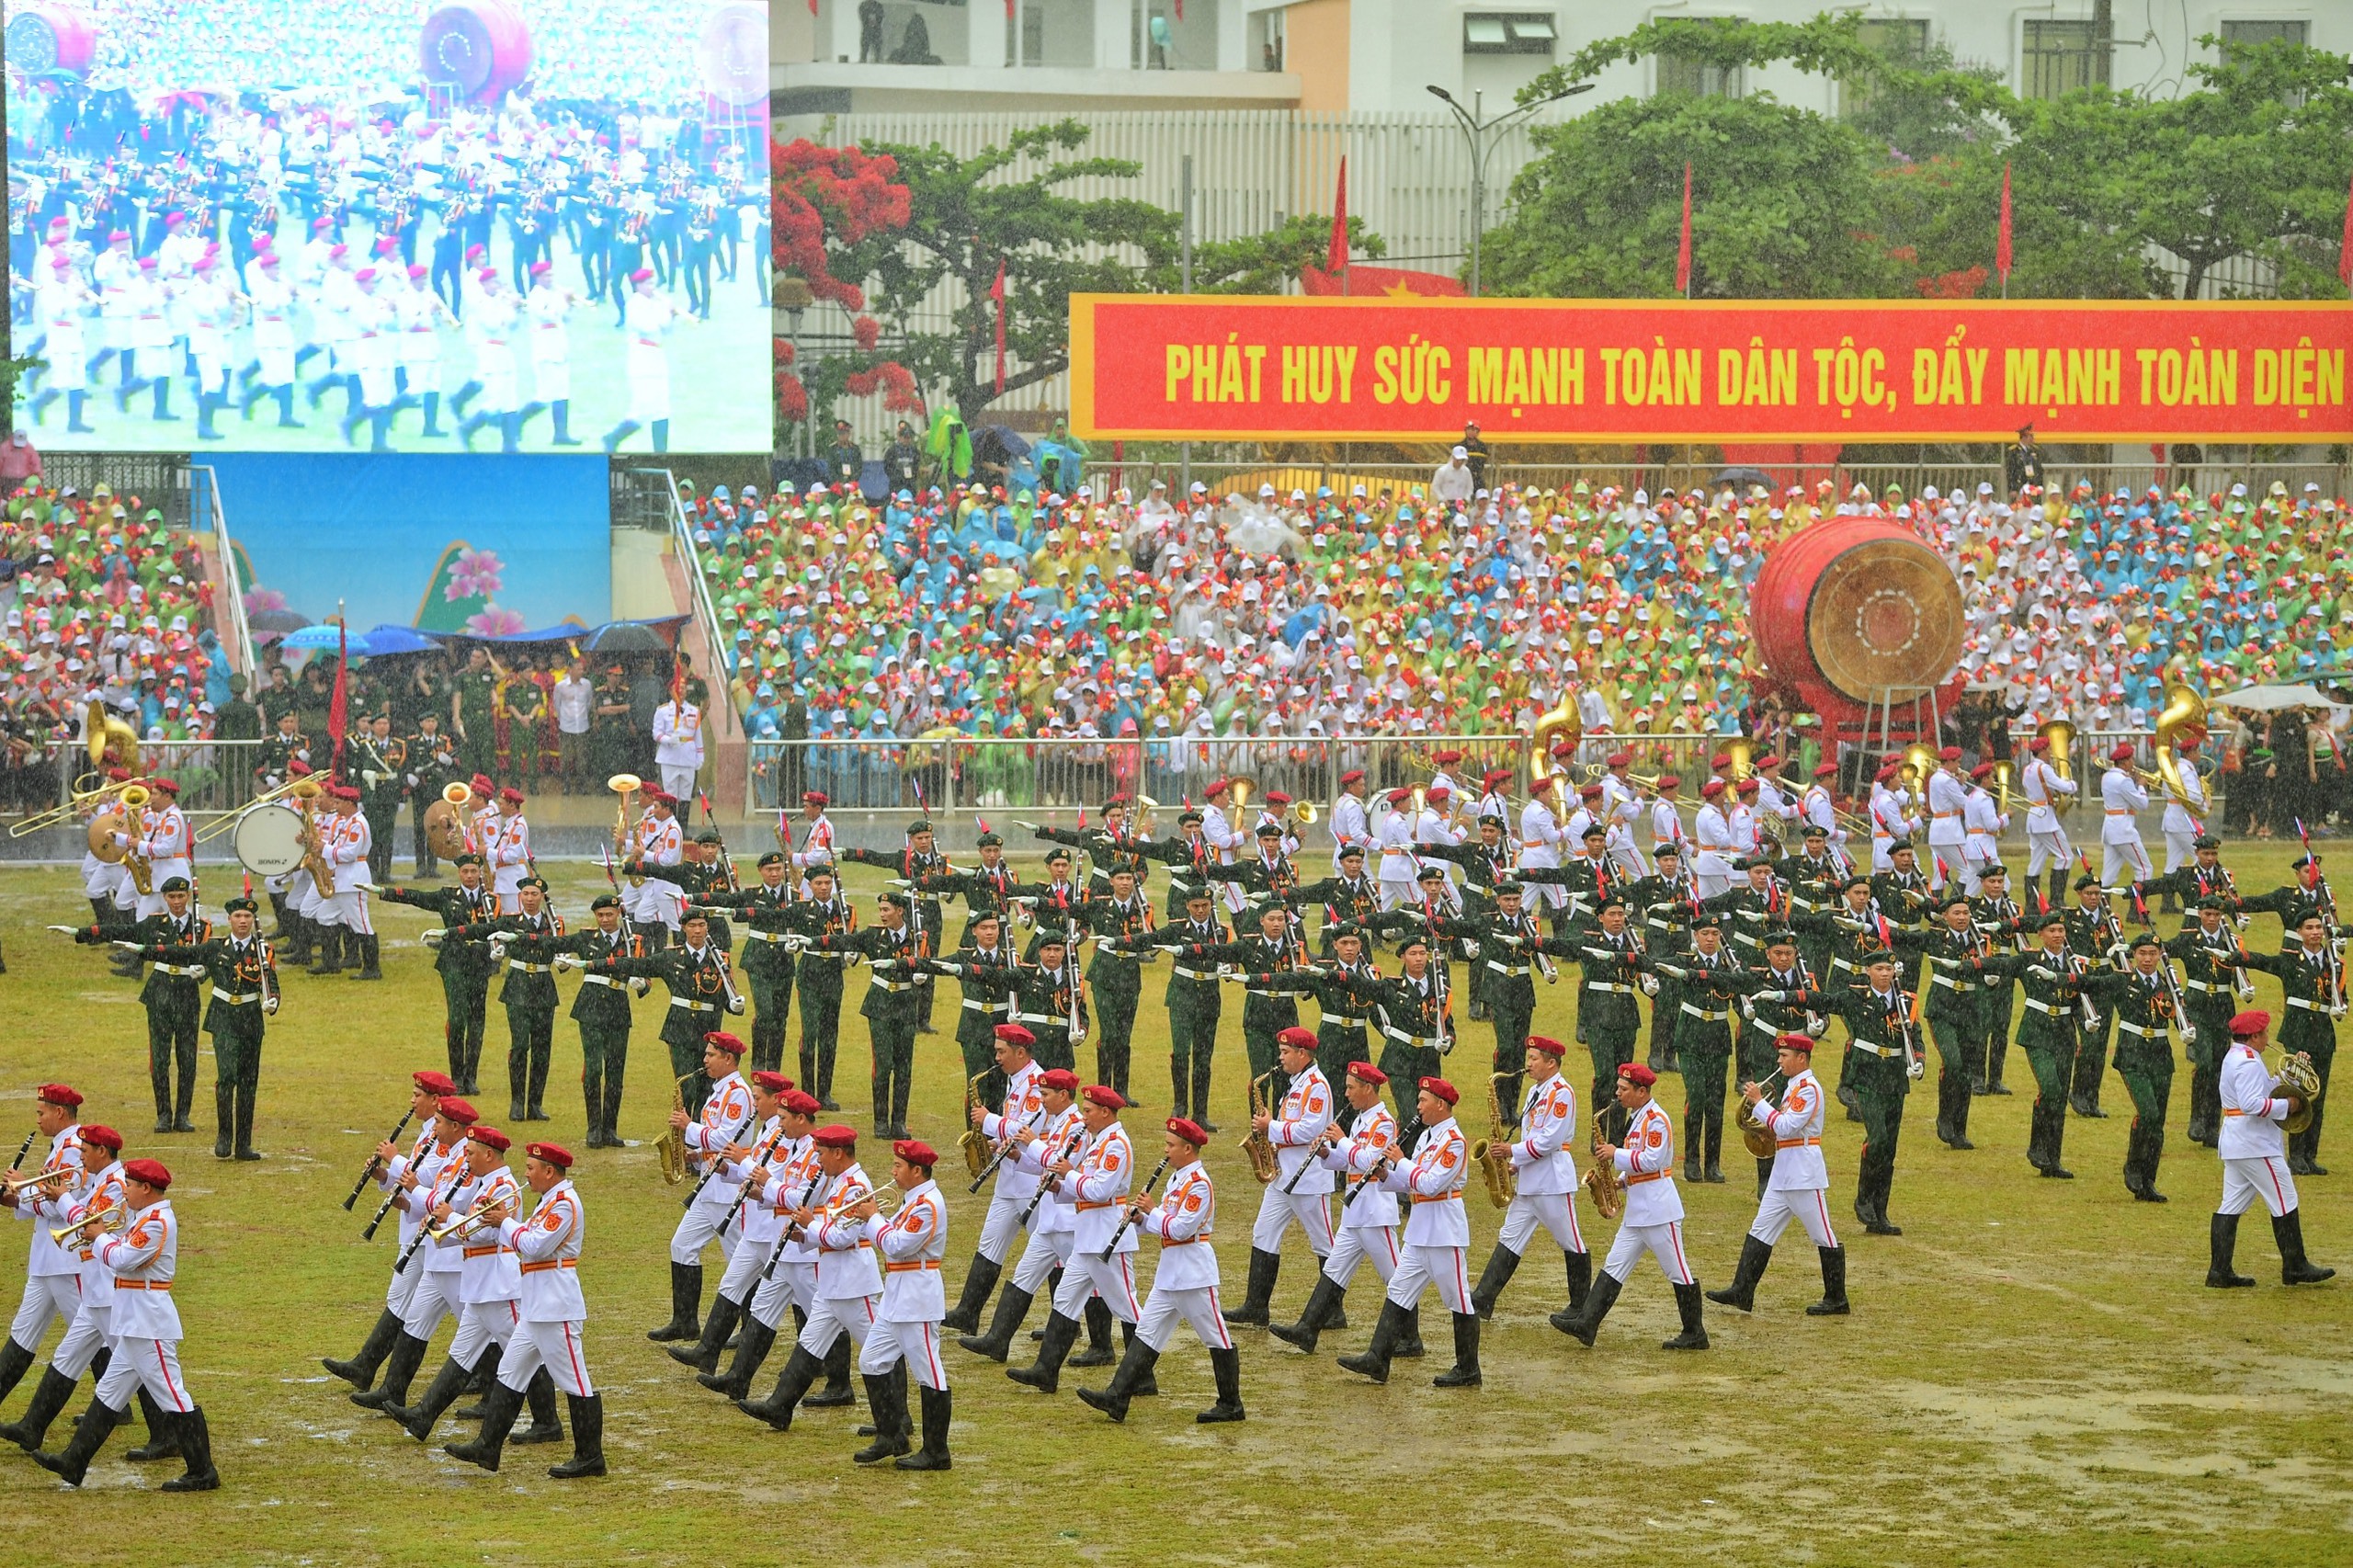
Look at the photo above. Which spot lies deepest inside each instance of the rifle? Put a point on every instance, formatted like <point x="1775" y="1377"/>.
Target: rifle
<point x="1134" y="1209"/>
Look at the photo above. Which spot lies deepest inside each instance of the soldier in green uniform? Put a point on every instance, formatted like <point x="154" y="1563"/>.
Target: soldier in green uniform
<point x="1348" y="897"/>
<point x="1659" y="905"/>
<point x="174" y="996"/>
<point x="2003" y="923"/>
<point x="1812" y="877"/>
<point x="1709" y="983"/>
<point x="601" y="1008"/>
<point x="1058" y="904"/>
<point x="1415" y="1009"/>
<point x="1851" y="932"/>
<point x="377" y="760"/>
<point x="1507" y="941"/>
<point x="2095" y="936"/>
<point x="1955" y="1010"/>
<point x="1193" y="1001"/>
<point x="1108" y="846"/>
<point x="2211" y="977"/>
<point x="891" y="948"/>
<point x="702" y="986"/>
<point x="1340" y="1030"/>
<point x="473" y="704"/>
<point x="2052" y="978"/>
<point x="1883" y="1061"/>
<point x="988" y="1001"/>
<point x="818" y="982"/>
<point x="2146" y="1007"/>
<point x="1048" y="993"/>
<point x="1189" y="857"/>
<point x="1750" y="909"/>
<point x="914" y="862"/>
<point x="529" y="993"/>
<point x="767" y="911"/>
<point x="1267" y="1011"/>
<point x="986" y="889"/>
<point x="2204" y="877"/>
<point x="1610" y="959"/>
<point x="464" y="966"/>
<point x="245" y="991"/>
<point x="2312" y="975"/>
<point x="1115" y="978"/>
<point x="707" y="878"/>
<point x="1766" y="1020"/>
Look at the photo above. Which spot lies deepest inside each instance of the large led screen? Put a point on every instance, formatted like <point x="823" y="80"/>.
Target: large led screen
<point x="404" y="225"/>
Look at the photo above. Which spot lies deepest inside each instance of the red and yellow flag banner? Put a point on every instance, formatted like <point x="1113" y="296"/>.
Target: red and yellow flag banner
<point x="1205" y="367"/>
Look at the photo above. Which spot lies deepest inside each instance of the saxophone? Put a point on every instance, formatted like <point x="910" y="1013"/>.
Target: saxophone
<point x="1493" y="1153"/>
<point x="975" y="1144"/>
<point x="671" y="1145"/>
<point x="1261" y="1151"/>
<point x="1601" y="1182"/>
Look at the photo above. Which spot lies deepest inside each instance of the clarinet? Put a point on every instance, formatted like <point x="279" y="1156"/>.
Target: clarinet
<point x="746" y="1190"/>
<point x="717" y="1160"/>
<point x="1405" y="1137"/>
<point x="785" y="1238"/>
<point x="375" y="1161"/>
<point x="998" y="1158"/>
<point x="1117" y="1236"/>
<point x="1049" y="1182"/>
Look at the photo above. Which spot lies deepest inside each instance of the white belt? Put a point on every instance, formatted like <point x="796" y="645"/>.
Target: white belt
<point x="2202" y="986"/>
<point x="2135" y="1029"/>
<point x="971" y="1006"/>
<point x="1704" y="1012"/>
<point x="1192" y="973"/>
<point x="768" y="936"/>
<point x="599" y="980"/>
<point x="2037" y="1006"/>
<point x="1346" y="1020"/>
<point x="1430" y="1042"/>
<point x="1052" y="1020"/>
<point x="694" y="1006"/>
<point x="242" y="996"/>
<point x="1878" y="1049"/>
<point x="1607" y="985"/>
<point x="184" y="970"/>
<point x="517" y="966"/>
<point x="1509" y="969"/>
<point x="2292" y="1002"/>
<point x="1948" y="982"/>
<point x="881" y="984"/>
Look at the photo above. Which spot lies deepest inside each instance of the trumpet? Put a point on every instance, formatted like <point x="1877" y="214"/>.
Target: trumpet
<point x="466" y="1223"/>
<point x="38" y="1178"/>
<point x="106" y="1218"/>
<point x="886" y="1200"/>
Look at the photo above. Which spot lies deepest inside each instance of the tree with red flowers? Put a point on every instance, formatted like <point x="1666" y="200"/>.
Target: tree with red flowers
<point x="825" y="204"/>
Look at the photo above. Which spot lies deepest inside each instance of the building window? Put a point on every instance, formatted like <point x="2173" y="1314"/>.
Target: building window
<point x="1901" y="40"/>
<point x="1266" y="41"/>
<point x="2252" y="33"/>
<point x="1508" y="32"/>
<point x="2059" y="57"/>
<point x="1693" y="77"/>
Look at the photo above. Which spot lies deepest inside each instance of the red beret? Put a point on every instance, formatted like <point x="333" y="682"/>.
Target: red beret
<point x="801" y="1102"/>
<point x="152" y="1172"/>
<point x="1297" y="1038"/>
<point x="720" y="1039"/>
<point x="1670" y="781"/>
<point x="511" y="795"/>
<point x="1589" y="792"/>
<point x="1551" y="1048"/>
<point x="1277" y="797"/>
<point x="1442" y="1088"/>
<point x="1827" y="770"/>
<point x="461" y="1111"/>
<point x="1885" y="774"/>
<point x="1982" y="770"/>
<point x="59" y="1095"/>
<point x="1622" y="759"/>
<point x="1215" y="787"/>
<point x="105" y="1137"/>
<point x="490" y="1137"/>
<point x="2039" y="743"/>
<point x="1399" y="797"/>
<point x="1746" y="786"/>
<point x="555" y="1155"/>
<point x="774" y="1083"/>
<point x="915" y="1152"/>
<point x="1367" y="1072"/>
<point x="1016" y="1034"/>
<point x="2121" y="752"/>
<point x="1712" y="787"/>
<point x="433" y="1082"/>
<point x="1447" y="758"/>
<point x="172" y="787"/>
<point x="482" y="785"/>
<point x="814" y="798"/>
<point x="1495" y="776"/>
<point x="1721" y="760"/>
<point x="1106" y="1096"/>
<point x="1353" y="776"/>
<point x="836" y="1136"/>
<point x="1794" y="1041"/>
<point x="1189" y="1131"/>
<point x="1767" y="760"/>
<point x="342" y="792"/>
<point x="2249" y="1024"/>
<point x="1438" y="792"/>
<point x="1635" y="1073"/>
<point x="1061" y="1078"/>
<point x="1950" y="754"/>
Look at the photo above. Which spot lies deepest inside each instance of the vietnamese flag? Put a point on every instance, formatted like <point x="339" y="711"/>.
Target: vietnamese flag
<point x="2001" y="240"/>
<point x="1335" y="254"/>
<point x="1683" y="246"/>
<point x="1397" y="282"/>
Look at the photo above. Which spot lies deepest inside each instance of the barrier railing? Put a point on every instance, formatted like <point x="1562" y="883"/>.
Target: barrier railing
<point x="215" y="775"/>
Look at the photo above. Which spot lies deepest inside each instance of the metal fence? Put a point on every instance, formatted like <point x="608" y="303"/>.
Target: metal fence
<point x="215" y="775"/>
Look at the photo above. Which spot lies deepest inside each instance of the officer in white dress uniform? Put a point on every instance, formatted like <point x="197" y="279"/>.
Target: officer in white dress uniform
<point x="1437" y="1232"/>
<point x="1644" y="1160"/>
<point x="905" y="1342"/>
<point x="1796" y="1188"/>
<point x="1544" y="1181"/>
<point x="1368" y="1226"/>
<point x="1023" y="1109"/>
<point x="2047" y="845"/>
<point x="2254" y="1148"/>
<point x="2123" y="859"/>
<point x="677" y="746"/>
<point x="1348" y="822"/>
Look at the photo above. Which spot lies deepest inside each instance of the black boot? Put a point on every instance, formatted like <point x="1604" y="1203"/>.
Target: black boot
<point x="1134" y="1366"/>
<point x="1264" y="1268"/>
<point x="1464" y="1373"/>
<point x="1580" y="1272"/>
<point x="800" y="1369"/>
<point x="195" y="1448"/>
<point x="1502" y="1263"/>
<point x="938" y="1413"/>
<point x="1742" y="1292"/>
<point x="246" y="1149"/>
<point x="408" y="1354"/>
<point x="484" y="1378"/>
<point x="540" y="1395"/>
<point x="703" y="1354"/>
<point x="1386" y="1329"/>
<point x="2295" y="1268"/>
<point x="1834" y="1285"/>
<point x="587" y="1438"/>
<point x="1099" y="1337"/>
<point x="1044" y="1374"/>
<point x="1226" y="1367"/>
<point x="1695" y="1333"/>
<point x="90" y="1433"/>
<point x="883" y="1398"/>
<point x="14" y="1362"/>
<point x="370" y="959"/>
<point x="439" y="1394"/>
<point x="1583" y="1326"/>
<point x="48" y="1397"/>
<point x="1409" y="1343"/>
<point x="752" y="1349"/>
<point x="980" y="1279"/>
<point x="1324" y="1299"/>
<point x="224" y="1117"/>
<point x="163" y="1434"/>
<point x="997" y="1343"/>
<point x="686" y="1302"/>
<point x="500" y="1410"/>
<point x="2222" y="1241"/>
<point x="836" y="1392"/>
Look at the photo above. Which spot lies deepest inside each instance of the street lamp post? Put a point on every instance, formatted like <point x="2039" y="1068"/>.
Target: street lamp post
<point x="1476" y="132"/>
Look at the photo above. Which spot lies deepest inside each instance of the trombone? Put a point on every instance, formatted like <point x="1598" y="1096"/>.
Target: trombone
<point x="82" y="801"/>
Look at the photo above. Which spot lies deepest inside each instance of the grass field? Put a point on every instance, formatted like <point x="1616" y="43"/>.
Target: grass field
<point x="2033" y="1371"/>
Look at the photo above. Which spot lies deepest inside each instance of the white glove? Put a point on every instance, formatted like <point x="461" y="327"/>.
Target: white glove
<point x="269" y="1007"/>
<point x="569" y="961"/>
<point x="1919" y="1070"/>
<point x="126" y="947"/>
<point x="2188" y="1034"/>
<point x="638" y="985"/>
<point x="1764" y="996"/>
<point x="67" y="930"/>
<point x="433" y="939"/>
<point x="1650" y="985"/>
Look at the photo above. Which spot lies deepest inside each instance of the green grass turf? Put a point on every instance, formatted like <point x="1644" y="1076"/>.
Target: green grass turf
<point x="2033" y="1371"/>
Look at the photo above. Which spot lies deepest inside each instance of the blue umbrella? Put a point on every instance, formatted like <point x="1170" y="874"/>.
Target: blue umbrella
<point x="390" y="639"/>
<point x="325" y="636"/>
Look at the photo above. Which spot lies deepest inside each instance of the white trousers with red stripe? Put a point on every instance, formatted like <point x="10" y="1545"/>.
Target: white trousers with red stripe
<point x="47" y="1296"/>
<point x="91" y="1331"/>
<point x="1376" y="1244"/>
<point x="150" y="1364"/>
<point x="830" y="1317"/>
<point x="1420" y="1267"/>
<point x="1279" y="1211"/>
<point x="1086" y="1272"/>
<point x="556" y="1347"/>
<point x="1197" y="1307"/>
<point x="435" y="1297"/>
<point x="1047" y="1251"/>
<point x="1662" y="1241"/>
<point x="917" y="1343"/>
<point x="482" y="1325"/>
<point x="2243" y="1181"/>
<point x="1553" y="1210"/>
<point x="792" y="1285"/>
<point x="1807" y="1206"/>
<point x="348" y="909"/>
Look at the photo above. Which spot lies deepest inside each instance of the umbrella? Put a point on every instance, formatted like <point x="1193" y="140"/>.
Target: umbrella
<point x="325" y="636"/>
<point x="390" y="639"/>
<point x="627" y="636"/>
<point x="2270" y="698"/>
<point x="276" y="621"/>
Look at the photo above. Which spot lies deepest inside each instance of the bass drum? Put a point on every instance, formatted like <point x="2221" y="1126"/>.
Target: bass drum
<point x="269" y="840"/>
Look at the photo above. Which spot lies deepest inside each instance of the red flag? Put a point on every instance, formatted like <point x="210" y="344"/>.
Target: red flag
<point x="996" y="293"/>
<point x="677" y="678"/>
<point x="337" y="706"/>
<point x="2345" y="249"/>
<point x="2002" y="242"/>
<point x="813" y="7"/>
<point x="1335" y="254"/>
<point x="1682" y="247"/>
<point x="1399" y="282"/>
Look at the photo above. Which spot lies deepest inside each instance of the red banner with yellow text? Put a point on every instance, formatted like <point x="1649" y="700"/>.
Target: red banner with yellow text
<point x="1201" y="367"/>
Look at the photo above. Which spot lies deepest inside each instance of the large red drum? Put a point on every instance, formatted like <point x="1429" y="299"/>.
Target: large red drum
<point x="50" y="37"/>
<point x="1859" y="609"/>
<point x="732" y="54"/>
<point x="480" y="49"/>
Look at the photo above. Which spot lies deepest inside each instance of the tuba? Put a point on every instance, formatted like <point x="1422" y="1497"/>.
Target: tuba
<point x="1602" y="1179"/>
<point x="1493" y="1153"/>
<point x="2182" y="722"/>
<point x="306" y="791"/>
<point x="1743" y="752"/>
<point x="671" y="1145"/>
<point x="1561" y="726"/>
<point x="624" y="785"/>
<point x="2060" y="734"/>
<point x="1261" y="1151"/>
<point x="2300" y="1079"/>
<point x="974" y="1142"/>
<point x="1919" y="765"/>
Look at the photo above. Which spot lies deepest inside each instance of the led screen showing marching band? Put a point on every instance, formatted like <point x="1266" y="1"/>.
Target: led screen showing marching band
<point x="390" y="225"/>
